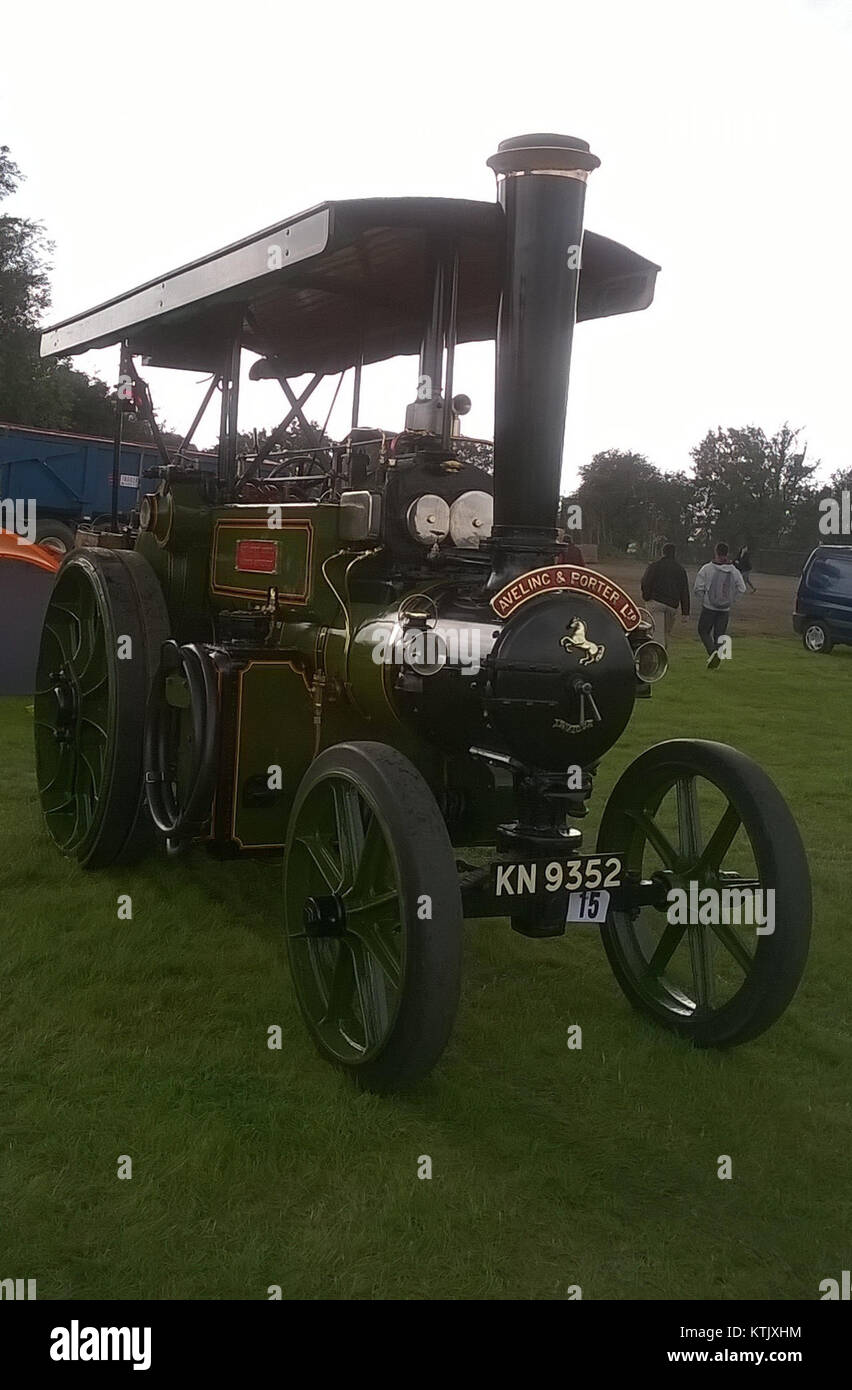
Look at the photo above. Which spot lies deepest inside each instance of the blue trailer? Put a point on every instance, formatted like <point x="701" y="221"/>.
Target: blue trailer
<point x="69" y="477"/>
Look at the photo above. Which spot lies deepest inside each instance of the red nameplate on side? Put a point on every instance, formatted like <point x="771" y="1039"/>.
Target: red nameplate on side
<point x="257" y="557"/>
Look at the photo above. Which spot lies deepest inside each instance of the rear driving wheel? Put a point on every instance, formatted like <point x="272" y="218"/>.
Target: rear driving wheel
<point x="697" y="815"/>
<point x="373" y="915"/>
<point x="102" y="632"/>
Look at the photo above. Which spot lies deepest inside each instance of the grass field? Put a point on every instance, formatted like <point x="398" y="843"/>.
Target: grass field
<point x="551" y="1167"/>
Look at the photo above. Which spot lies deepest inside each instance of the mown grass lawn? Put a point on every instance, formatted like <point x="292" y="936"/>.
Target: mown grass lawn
<point x="551" y="1167"/>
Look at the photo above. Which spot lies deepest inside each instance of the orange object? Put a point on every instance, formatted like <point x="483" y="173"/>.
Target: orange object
<point x="25" y="589"/>
<point x="13" y="548"/>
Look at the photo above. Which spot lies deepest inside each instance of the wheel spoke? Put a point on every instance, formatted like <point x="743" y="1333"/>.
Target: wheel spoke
<point x="96" y="747"/>
<point x="688" y="819"/>
<point x="350" y="828"/>
<point x="719" y="843"/>
<point x="372" y="993"/>
<point x="62" y="807"/>
<point x="93" y="724"/>
<point x="655" y="836"/>
<point x="328" y="868"/>
<point x="78" y="802"/>
<point x="96" y="674"/>
<point x="44" y="724"/>
<point x="70" y="614"/>
<point x="372" y="859"/>
<point x="381" y="943"/>
<point x="49" y="763"/>
<point x="666" y="947"/>
<point x="734" y="946"/>
<point x="48" y="627"/>
<point x="87" y="645"/>
<point x="701" y="956"/>
<point x="340" y="984"/>
<point x="92" y="774"/>
<point x="343" y="992"/>
<point x="383" y="908"/>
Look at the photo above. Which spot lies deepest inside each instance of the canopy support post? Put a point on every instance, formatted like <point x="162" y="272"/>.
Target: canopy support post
<point x="143" y="405"/>
<point x="208" y="396"/>
<point x="116" y="456"/>
<point x="356" y="388"/>
<point x="297" y="405"/>
<point x="280" y="430"/>
<point x="452" y="318"/>
<point x="227" y="469"/>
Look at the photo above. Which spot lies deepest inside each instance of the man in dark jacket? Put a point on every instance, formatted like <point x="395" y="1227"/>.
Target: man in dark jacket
<point x="743" y="564"/>
<point x="665" y="588"/>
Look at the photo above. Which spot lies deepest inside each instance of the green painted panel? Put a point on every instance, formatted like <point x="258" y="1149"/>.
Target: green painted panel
<point x="286" y="552"/>
<point x="275" y="730"/>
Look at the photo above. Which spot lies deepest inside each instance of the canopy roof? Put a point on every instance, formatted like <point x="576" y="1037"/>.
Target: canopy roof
<point x="314" y="291"/>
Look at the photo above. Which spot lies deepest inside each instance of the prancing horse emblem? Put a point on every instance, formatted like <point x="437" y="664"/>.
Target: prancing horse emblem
<point x="577" y="641"/>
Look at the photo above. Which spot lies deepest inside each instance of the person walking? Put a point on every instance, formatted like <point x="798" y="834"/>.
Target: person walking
<point x="569" y="552"/>
<point x="743" y="564"/>
<point x="718" y="585"/>
<point x="665" y="588"/>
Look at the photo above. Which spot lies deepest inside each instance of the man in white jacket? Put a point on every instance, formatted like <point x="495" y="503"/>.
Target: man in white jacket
<point x="718" y="586"/>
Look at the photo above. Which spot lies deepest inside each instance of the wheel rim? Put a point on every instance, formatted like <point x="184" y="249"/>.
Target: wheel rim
<point x="687" y="831"/>
<point x="73" y="710"/>
<point x="54" y="543"/>
<point x="815" y="639"/>
<point x="344" y="919"/>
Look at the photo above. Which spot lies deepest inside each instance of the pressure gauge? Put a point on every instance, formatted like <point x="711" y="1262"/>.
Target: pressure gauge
<point x="428" y="519"/>
<point x="471" y="518"/>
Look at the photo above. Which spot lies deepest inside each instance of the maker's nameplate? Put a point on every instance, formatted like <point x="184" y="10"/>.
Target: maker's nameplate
<point x="577" y="579"/>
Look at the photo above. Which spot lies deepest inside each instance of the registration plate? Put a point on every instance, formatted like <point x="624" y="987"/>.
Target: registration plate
<point x="540" y="877"/>
<point x="588" y="907"/>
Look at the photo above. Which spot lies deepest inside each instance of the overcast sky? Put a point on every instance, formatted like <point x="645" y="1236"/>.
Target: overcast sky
<point x="153" y="133"/>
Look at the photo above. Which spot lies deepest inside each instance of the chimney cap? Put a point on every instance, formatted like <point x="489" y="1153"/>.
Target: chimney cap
<point x="527" y="153"/>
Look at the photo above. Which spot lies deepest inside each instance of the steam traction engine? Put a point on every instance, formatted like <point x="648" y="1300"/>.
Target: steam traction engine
<point x="365" y="656"/>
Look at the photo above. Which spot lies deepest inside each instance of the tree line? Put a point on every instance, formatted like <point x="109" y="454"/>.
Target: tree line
<point x="743" y="486"/>
<point x="34" y="391"/>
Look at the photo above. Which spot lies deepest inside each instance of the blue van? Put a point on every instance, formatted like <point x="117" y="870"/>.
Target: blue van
<point x="823" y="613"/>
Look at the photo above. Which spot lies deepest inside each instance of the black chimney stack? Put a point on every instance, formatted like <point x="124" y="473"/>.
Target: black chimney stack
<point x="541" y="186"/>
